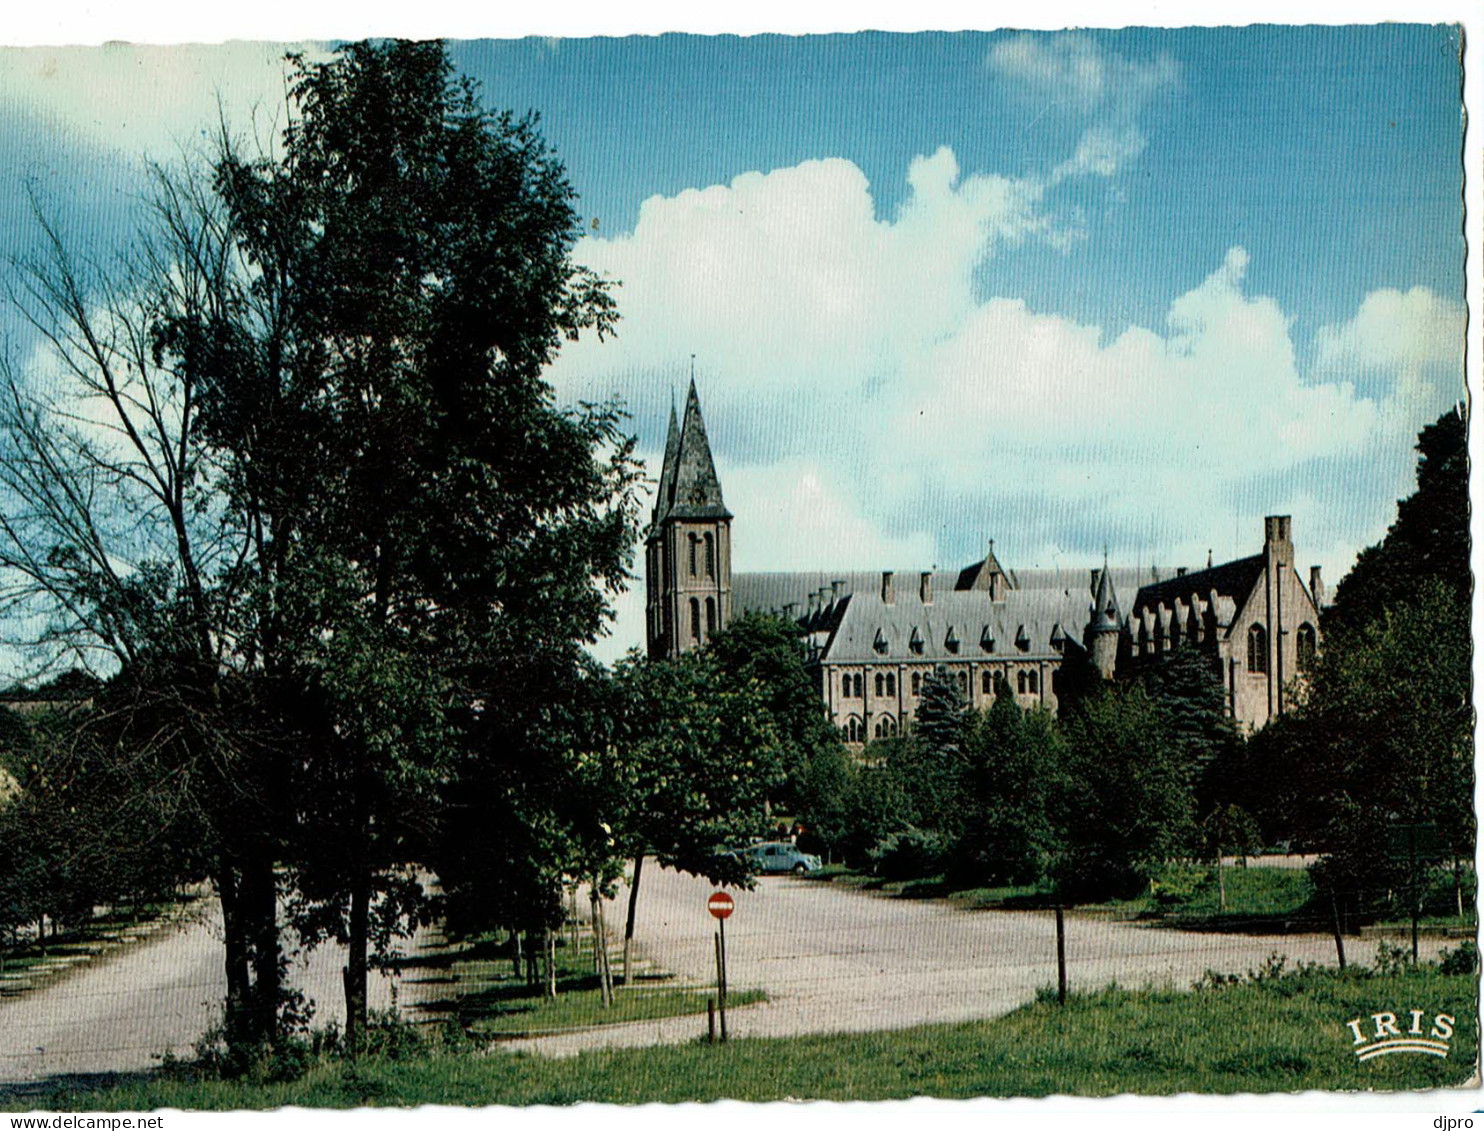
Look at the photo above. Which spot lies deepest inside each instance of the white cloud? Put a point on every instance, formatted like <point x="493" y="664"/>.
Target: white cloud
<point x="868" y="407"/>
<point x="1074" y="74"/>
<point x="149" y="99"/>
<point x="1413" y="338"/>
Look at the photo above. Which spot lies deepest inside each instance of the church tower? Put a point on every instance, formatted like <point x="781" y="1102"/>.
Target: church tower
<point x="688" y="551"/>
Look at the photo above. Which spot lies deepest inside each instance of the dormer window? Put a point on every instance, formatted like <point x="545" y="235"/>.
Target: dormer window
<point x="986" y="638"/>
<point x="1058" y="638"/>
<point x="1022" y="641"/>
<point x="951" y="640"/>
<point x="880" y="643"/>
<point x="915" y="643"/>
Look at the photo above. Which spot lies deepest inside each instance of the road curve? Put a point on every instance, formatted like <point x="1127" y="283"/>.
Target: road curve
<point x="836" y="960"/>
<point x="122" y="1012"/>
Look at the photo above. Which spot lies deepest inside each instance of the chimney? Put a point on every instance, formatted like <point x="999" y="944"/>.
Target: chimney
<point x="1316" y="586"/>
<point x="835" y="587"/>
<point x="888" y="594"/>
<point x="1277" y="534"/>
<point x="1179" y="571"/>
<point x="813" y="602"/>
<point x="925" y="588"/>
<point x="788" y="610"/>
<point x="823" y="601"/>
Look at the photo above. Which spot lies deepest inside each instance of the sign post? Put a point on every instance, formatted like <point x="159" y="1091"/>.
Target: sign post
<point x="721" y="905"/>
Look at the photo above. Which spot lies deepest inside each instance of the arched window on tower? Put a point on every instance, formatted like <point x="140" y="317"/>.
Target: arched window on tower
<point x="963" y="684"/>
<point x="986" y="683"/>
<point x="916" y="683"/>
<point x="880" y="684"/>
<point x="1020" y="682"/>
<point x="1032" y="682"/>
<point x="1257" y="649"/>
<point x="710" y="615"/>
<point x="695" y="620"/>
<point x="891" y="683"/>
<point x="710" y="556"/>
<point x="860" y="686"/>
<point x="1308" y="645"/>
<point x="693" y="541"/>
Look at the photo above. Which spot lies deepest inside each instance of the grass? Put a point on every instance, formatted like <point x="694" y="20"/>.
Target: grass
<point x="491" y="1002"/>
<point x="1259" y="899"/>
<point x="95" y="938"/>
<point x="1280" y="1034"/>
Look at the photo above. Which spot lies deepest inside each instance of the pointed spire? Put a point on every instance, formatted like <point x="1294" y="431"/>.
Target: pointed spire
<point x="1105" y="604"/>
<point x="695" y="491"/>
<point x="665" y="495"/>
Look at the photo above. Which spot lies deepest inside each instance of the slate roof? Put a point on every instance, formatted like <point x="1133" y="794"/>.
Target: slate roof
<point x="1233" y="580"/>
<point x="688" y="486"/>
<point x="1040" y="603"/>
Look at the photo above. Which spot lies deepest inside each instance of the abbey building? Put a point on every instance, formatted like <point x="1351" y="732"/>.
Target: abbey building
<point x="874" y="637"/>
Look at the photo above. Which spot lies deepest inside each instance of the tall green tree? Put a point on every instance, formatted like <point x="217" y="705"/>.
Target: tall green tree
<point x="1428" y="541"/>
<point x="1127" y="801"/>
<point x="429" y="517"/>
<point x="1014" y="768"/>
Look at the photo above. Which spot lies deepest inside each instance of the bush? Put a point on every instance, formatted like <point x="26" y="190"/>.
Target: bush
<point x="909" y="854"/>
<point x="1462" y="959"/>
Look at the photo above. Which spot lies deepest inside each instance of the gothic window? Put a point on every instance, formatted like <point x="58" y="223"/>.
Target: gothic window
<point x="1020" y="682"/>
<point x="963" y="684"/>
<point x="1307" y="642"/>
<point x="860" y="687"/>
<point x="1257" y="649"/>
<point x="854" y="732"/>
<point x="695" y="619"/>
<point x="880" y="684"/>
<point x="710" y="614"/>
<point x="845" y="686"/>
<point x="891" y="684"/>
<point x="710" y="556"/>
<point x="916" y="683"/>
<point x="1032" y="682"/>
<point x="693" y="541"/>
<point x="986" y="683"/>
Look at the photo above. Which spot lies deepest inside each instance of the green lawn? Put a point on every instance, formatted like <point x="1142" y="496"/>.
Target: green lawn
<point x="96" y="937"/>
<point x="1258" y="898"/>
<point x="490" y="1002"/>
<point x="1280" y="1035"/>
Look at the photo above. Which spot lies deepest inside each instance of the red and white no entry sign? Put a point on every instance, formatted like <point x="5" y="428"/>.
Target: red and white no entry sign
<point x="720" y="904"/>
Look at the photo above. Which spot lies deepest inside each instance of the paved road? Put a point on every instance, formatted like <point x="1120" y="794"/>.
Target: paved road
<point x="121" y="1013"/>
<point x="832" y="959"/>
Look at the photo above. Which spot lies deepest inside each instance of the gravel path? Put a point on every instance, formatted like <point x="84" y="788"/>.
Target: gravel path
<point x="835" y="960"/>
<point x="120" y="1013"/>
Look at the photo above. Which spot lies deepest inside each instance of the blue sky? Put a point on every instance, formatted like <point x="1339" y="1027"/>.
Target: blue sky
<point x="1135" y="288"/>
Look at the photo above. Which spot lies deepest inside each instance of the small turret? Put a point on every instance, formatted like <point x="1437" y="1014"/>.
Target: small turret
<point x="1103" y="627"/>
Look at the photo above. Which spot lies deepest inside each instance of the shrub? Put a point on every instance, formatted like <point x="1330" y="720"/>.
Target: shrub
<point x="909" y="854"/>
<point x="1462" y="959"/>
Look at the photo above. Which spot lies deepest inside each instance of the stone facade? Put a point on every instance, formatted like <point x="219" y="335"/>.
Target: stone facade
<point x="688" y="551"/>
<point x="872" y="638"/>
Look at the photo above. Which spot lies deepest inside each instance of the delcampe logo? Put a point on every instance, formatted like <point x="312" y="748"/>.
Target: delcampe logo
<point x="1389" y="1037"/>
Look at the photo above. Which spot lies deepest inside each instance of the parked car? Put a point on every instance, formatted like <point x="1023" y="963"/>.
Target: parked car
<point x="777" y="856"/>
